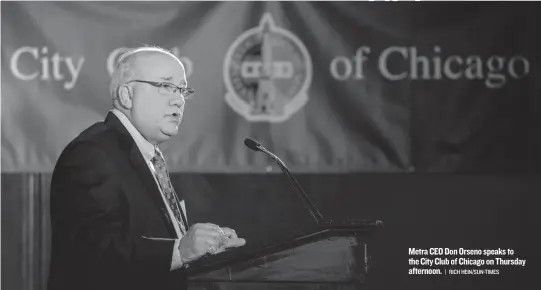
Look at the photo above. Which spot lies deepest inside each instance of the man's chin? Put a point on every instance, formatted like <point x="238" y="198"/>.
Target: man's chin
<point x="168" y="133"/>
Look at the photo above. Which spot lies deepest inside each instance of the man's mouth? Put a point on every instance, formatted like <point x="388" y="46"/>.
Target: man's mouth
<point x="176" y="116"/>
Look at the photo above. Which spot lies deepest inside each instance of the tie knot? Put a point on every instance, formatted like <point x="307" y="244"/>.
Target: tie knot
<point x="158" y="160"/>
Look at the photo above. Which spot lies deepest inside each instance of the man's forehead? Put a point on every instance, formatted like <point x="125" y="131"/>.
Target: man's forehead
<point x="143" y="54"/>
<point x="161" y="65"/>
<point x="171" y="79"/>
<point x="159" y="60"/>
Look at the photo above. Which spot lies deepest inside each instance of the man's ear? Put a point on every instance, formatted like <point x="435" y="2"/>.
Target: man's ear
<point x="125" y="94"/>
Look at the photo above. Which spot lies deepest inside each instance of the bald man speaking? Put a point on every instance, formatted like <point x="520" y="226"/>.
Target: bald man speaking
<point x="117" y="222"/>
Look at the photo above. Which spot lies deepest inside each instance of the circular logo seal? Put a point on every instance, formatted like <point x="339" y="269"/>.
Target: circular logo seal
<point x="267" y="72"/>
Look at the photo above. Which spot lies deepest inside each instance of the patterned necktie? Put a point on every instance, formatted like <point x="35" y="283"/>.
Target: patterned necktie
<point x="168" y="190"/>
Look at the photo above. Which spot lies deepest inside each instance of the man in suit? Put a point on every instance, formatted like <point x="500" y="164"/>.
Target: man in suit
<point x="117" y="222"/>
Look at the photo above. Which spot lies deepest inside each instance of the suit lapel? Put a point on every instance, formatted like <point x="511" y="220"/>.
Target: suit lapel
<point x="143" y="172"/>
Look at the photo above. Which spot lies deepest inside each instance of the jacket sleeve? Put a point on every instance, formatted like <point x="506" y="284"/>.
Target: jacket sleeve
<point x="90" y="212"/>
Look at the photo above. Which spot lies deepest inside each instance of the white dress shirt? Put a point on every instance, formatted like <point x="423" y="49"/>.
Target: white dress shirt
<point x="147" y="150"/>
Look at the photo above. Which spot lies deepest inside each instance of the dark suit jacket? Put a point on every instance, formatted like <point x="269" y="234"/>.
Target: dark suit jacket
<point x="104" y="206"/>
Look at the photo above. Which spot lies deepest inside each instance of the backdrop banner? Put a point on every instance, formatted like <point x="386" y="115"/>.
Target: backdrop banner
<point x="327" y="86"/>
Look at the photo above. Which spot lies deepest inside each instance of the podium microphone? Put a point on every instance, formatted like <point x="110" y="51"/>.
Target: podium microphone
<point x="308" y="204"/>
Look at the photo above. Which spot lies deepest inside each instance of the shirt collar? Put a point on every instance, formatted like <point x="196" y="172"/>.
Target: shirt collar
<point x="147" y="149"/>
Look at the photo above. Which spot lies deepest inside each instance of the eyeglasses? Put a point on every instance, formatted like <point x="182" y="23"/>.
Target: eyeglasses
<point x="165" y="88"/>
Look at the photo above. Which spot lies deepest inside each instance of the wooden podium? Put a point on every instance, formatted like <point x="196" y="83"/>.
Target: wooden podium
<point x="331" y="256"/>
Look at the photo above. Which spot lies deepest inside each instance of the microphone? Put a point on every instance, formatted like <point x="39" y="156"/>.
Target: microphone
<point x="308" y="204"/>
<point x="254" y="145"/>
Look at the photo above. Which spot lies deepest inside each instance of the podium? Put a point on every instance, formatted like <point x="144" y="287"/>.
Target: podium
<point x="332" y="255"/>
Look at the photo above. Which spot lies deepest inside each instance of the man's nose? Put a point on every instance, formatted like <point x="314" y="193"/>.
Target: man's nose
<point x="178" y="101"/>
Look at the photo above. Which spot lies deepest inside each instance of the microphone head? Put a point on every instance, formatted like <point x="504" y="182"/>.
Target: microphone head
<point x="252" y="144"/>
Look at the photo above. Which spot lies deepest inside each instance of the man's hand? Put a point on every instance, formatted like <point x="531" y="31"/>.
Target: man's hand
<point x="231" y="240"/>
<point x="207" y="238"/>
